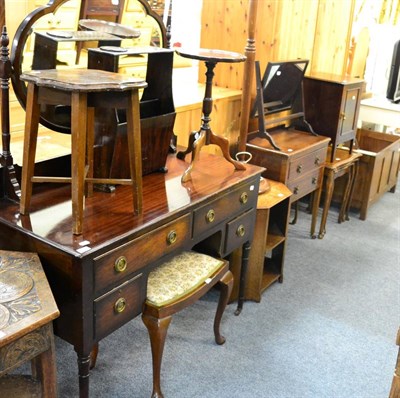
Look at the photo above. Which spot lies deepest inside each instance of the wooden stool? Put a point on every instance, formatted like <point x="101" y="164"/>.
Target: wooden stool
<point x="175" y="285"/>
<point x="26" y="333"/>
<point x="82" y="89"/>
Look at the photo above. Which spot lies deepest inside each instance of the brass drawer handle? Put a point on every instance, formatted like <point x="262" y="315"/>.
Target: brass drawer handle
<point x="317" y="161"/>
<point x="244" y="198"/>
<point x="172" y="237"/>
<point x="240" y="231"/>
<point x="314" y="180"/>
<point x="210" y="216"/>
<point x="120" y="305"/>
<point x="120" y="264"/>
<point x="296" y="190"/>
<point x="299" y="168"/>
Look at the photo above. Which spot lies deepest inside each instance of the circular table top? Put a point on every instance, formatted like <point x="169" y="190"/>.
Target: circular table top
<point x="210" y="55"/>
<point x="112" y="28"/>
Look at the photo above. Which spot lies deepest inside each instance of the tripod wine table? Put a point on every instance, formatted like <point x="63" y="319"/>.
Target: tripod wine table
<point x="205" y="136"/>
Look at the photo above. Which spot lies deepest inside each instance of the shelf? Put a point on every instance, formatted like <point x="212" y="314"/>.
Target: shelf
<point x="273" y="241"/>
<point x="271" y="273"/>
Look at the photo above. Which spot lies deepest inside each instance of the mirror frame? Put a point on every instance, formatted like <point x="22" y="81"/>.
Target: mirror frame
<point x="22" y="34"/>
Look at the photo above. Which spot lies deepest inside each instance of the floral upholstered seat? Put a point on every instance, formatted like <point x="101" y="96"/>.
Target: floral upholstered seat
<point x="179" y="276"/>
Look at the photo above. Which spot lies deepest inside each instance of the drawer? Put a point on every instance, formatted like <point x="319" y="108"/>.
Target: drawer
<point x="307" y="163"/>
<point x="119" y="306"/>
<point x="116" y="265"/>
<point x="306" y="184"/>
<point x="239" y="231"/>
<point x="227" y="206"/>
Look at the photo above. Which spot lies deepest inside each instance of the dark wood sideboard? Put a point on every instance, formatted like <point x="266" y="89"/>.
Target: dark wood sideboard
<point x="93" y="273"/>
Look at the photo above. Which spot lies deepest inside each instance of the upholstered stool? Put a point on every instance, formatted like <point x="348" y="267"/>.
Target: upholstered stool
<point x="175" y="285"/>
<point x="82" y="89"/>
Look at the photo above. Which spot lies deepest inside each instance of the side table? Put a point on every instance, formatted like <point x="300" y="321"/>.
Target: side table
<point x="27" y="309"/>
<point x="205" y="136"/>
<point x="344" y="163"/>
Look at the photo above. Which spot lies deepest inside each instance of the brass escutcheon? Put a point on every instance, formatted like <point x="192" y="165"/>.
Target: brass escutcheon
<point x="240" y="230"/>
<point x="120" y="305"/>
<point x="120" y="264"/>
<point x="210" y="216"/>
<point x="244" y="197"/>
<point x="172" y="237"/>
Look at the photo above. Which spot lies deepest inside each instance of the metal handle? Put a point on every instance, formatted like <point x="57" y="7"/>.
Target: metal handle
<point x="120" y="305"/>
<point x="120" y="264"/>
<point x="299" y="168"/>
<point x="240" y="230"/>
<point x="172" y="237"/>
<point x="210" y="216"/>
<point x="317" y="161"/>
<point x="244" y="198"/>
<point x="314" y="180"/>
<point x="343" y="115"/>
<point x="296" y="190"/>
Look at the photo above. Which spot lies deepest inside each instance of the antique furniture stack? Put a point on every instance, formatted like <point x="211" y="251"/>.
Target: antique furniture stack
<point x="99" y="274"/>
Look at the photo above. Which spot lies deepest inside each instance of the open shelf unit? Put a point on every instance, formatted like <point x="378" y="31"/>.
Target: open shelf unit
<point x="268" y="249"/>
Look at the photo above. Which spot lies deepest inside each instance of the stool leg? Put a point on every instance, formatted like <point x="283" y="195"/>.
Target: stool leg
<point x="78" y="157"/>
<point x="30" y="140"/>
<point x="157" y="329"/>
<point x="89" y="150"/>
<point x="44" y="367"/>
<point x="226" y="285"/>
<point x="135" y="150"/>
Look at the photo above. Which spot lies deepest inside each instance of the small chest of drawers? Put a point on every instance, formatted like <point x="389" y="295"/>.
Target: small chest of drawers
<point x="299" y="163"/>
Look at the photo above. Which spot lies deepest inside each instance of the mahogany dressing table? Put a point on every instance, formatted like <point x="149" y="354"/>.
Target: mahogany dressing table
<point x="99" y="278"/>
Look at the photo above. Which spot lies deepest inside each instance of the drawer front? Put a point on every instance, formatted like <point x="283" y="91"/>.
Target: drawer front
<point x="239" y="230"/>
<point x="217" y="211"/>
<point x="307" y="163"/>
<point x="116" y="308"/>
<point x="116" y="265"/>
<point x="306" y="184"/>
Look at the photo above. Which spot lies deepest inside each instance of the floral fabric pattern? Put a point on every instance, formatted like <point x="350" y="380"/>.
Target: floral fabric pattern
<point x="179" y="276"/>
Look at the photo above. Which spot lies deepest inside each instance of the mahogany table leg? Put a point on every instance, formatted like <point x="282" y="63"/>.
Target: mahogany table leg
<point x="355" y="172"/>
<point x="197" y="145"/>
<point x="194" y="135"/>
<point x="243" y="272"/>
<point x="327" y="203"/>
<point x="83" y="368"/>
<point x="346" y="194"/>
<point x="223" y="143"/>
